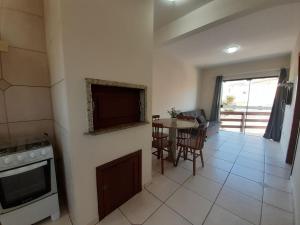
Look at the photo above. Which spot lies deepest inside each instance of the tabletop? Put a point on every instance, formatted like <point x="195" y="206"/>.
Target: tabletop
<point x="177" y="124"/>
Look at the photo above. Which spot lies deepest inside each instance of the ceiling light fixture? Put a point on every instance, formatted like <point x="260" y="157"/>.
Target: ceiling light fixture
<point x="232" y="49"/>
<point x="171" y="0"/>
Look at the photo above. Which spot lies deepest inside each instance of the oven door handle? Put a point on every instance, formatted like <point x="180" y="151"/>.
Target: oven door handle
<point x="23" y="169"/>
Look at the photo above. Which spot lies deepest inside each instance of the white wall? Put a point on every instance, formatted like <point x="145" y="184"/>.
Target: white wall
<point x="53" y="22"/>
<point x="286" y="131"/>
<point x="257" y="68"/>
<point x="109" y="40"/>
<point x="175" y="84"/>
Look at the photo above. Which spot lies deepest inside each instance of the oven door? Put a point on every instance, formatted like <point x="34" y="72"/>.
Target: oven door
<point x="24" y="184"/>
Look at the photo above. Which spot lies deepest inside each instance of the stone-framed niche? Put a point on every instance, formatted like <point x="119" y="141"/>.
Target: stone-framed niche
<point x="115" y="105"/>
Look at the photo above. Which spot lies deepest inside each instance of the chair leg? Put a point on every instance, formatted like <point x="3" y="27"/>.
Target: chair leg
<point x="158" y="154"/>
<point x="178" y="156"/>
<point x="185" y="153"/>
<point x="162" y="161"/>
<point x="194" y="162"/>
<point x="201" y="156"/>
<point x="174" y="157"/>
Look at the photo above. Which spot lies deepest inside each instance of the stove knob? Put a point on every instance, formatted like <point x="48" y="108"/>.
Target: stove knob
<point x="6" y="160"/>
<point x="32" y="154"/>
<point x="20" y="158"/>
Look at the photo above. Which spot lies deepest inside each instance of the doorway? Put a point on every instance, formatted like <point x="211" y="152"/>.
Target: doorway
<point x="295" y="130"/>
<point x="247" y="104"/>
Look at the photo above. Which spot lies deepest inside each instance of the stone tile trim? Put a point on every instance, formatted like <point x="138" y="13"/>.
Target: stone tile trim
<point x="28" y="49"/>
<point x="1" y="76"/>
<point x="4" y="85"/>
<point x="143" y="94"/>
<point x="21" y="11"/>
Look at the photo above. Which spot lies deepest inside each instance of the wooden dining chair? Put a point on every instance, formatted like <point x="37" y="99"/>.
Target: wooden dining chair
<point x="161" y="143"/>
<point x="154" y="118"/>
<point x="192" y="144"/>
<point x="183" y="133"/>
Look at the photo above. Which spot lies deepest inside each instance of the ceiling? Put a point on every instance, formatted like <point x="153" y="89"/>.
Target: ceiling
<point x="261" y="34"/>
<point x="166" y="11"/>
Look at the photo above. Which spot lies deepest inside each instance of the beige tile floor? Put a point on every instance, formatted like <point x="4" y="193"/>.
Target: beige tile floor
<point x="244" y="182"/>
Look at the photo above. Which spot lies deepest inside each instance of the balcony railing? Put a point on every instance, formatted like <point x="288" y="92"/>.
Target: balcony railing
<point x="244" y="120"/>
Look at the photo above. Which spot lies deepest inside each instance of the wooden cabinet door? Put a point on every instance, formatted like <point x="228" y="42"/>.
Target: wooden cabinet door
<point x="117" y="182"/>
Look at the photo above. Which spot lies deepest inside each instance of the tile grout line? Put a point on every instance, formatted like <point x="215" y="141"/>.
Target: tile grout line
<point x="252" y="181"/>
<point x="281" y="209"/>
<point x="182" y="186"/>
<point x="276" y="189"/>
<point x="239" y="192"/>
<point x="5" y="102"/>
<point x="211" y="180"/>
<point x="123" y="215"/>
<point x="263" y="183"/>
<point x="29" y="49"/>
<point x="164" y="202"/>
<point x="22" y="11"/>
<point x="25" y="85"/>
<point x="246" y="194"/>
<point x="179" y="214"/>
<point x="177" y="181"/>
<point x="260" y="183"/>
<point x="214" y="202"/>
<point x="179" y="186"/>
<point x="28" y="121"/>
<point x="56" y="83"/>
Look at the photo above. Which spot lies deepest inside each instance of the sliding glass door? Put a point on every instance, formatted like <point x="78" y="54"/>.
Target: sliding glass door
<point x="247" y="104"/>
<point x="235" y="97"/>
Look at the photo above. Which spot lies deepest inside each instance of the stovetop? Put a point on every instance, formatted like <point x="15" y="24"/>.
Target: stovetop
<point x="7" y="149"/>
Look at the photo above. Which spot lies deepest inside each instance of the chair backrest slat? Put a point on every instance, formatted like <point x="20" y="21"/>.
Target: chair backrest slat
<point x="157" y="134"/>
<point x="154" y="117"/>
<point x="200" y="137"/>
<point x="185" y="134"/>
<point x="157" y="130"/>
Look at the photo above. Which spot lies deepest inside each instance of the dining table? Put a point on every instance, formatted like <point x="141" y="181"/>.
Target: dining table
<point x="174" y="124"/>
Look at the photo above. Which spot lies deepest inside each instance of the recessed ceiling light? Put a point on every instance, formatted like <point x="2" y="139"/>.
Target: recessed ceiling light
<point x="171" y="0"/>
<point x="232" y="49"/>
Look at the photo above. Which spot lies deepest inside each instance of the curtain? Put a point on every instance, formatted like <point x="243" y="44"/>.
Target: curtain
<point x="215" y="108"/>
<point x="274" y="127"/>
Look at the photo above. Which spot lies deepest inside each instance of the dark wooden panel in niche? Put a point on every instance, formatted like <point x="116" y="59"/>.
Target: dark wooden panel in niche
<point x="118" y="181"/>
<point x="114" y="106"/>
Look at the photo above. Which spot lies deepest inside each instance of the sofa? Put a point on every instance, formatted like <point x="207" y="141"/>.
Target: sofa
<point x="200" y="116"/>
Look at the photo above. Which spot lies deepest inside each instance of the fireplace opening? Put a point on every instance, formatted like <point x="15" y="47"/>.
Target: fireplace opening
<point x="114" y="105"/>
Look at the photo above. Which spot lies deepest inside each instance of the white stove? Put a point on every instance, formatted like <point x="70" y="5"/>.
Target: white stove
<point x="28" y="190"/>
